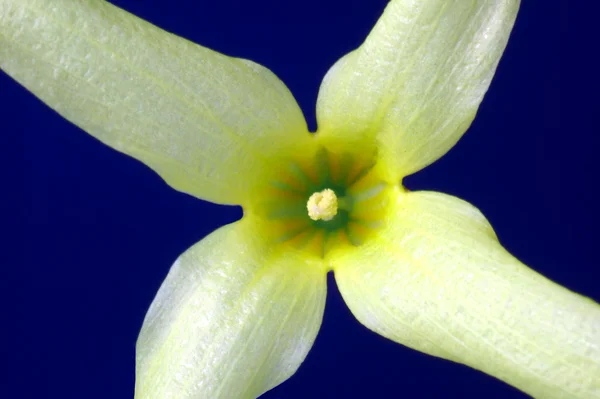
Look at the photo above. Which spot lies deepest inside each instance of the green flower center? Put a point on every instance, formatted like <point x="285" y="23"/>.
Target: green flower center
<point x="324" y="202"/>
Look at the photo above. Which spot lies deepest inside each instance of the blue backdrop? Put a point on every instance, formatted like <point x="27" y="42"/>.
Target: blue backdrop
<point x="101" y="229"/>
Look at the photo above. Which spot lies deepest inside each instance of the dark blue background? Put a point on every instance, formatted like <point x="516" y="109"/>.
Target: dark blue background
<point x="101" y="230"/>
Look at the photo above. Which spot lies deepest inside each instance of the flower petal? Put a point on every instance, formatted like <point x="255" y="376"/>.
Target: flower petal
<point x="437" y="280"/>
<point x="233" y="319"/>
<point x="414" y="86"/>
<point x="207" y="123"/>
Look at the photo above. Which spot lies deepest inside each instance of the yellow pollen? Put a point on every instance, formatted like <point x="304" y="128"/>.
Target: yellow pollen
<point x="322" y="205"/>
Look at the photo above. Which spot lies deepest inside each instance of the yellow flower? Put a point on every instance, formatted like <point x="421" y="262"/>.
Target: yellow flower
<point x="239" y="311"/>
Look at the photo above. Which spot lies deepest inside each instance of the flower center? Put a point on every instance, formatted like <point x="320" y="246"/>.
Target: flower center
<point x="322" y="205"/>
<point x="323" y="201"/>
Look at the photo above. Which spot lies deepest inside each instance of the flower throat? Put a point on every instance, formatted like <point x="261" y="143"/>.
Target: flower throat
<point x="325" y="202"/>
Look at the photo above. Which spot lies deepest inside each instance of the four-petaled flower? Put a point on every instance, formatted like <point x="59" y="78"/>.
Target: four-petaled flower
<point x="239" y="311"/>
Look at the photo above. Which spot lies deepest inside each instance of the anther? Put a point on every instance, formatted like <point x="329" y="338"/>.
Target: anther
<point x="322" y="205"/>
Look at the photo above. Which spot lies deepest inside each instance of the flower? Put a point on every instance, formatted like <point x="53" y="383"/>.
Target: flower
<point x="239" y="311"/>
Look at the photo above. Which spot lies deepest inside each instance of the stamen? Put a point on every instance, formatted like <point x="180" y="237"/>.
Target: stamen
<point x="322" y="205"/>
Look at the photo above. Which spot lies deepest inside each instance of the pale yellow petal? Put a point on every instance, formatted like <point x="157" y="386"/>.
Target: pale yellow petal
<point x="233" y="319"/>
<point x="437" y="280"/>
<point x="413" y="87"/>
<point x="209" y="124"/>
